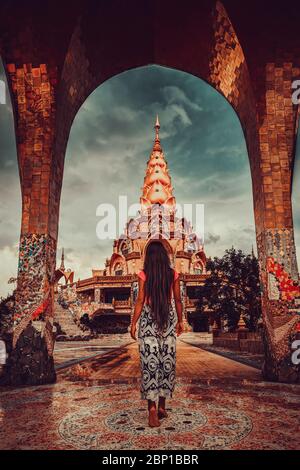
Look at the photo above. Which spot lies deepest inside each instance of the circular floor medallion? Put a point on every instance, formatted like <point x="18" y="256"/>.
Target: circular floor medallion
<point x="191" y="424"/>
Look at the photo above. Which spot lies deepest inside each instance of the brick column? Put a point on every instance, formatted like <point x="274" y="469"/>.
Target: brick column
<point x="276" y="123"/>
<point x="264" y="105"/>
<point x="33" y="96"/>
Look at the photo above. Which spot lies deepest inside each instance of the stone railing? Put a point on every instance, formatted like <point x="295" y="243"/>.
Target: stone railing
<point x="191" y="302"/>
<point x="126" y="277"/>
<point x="240" y="341"/>
<point x="193" y="277"/>
<point x="91" y="307"/>
<point x="103" y="305"/>
<point x="121" y="303"/>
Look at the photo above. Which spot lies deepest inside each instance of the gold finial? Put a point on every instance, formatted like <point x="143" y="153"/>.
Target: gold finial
<point x="157" y="122"/>
<point x="157" y="140"/>
<point x="157" y="127"/>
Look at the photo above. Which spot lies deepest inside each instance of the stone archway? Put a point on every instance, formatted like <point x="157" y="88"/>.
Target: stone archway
<point x="49" y="80"/>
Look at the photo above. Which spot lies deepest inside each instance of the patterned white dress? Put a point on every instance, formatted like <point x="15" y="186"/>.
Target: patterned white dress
<point x="157" y="354"/>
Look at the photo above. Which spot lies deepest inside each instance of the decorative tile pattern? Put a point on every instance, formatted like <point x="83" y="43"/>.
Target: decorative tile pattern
<point x="72" y="416"/>
<point x="280" y="245"/>
<point x="287" y="289"/>
<point x="128" y="423"/>
<point x="35" y="284"/>
<point x="31" y="360"/>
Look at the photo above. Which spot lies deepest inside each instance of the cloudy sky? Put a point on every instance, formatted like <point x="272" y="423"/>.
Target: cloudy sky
<point x="110" y="142"/>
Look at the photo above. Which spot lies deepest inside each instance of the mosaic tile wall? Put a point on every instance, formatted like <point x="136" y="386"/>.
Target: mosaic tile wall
<point x="281" y="302"/>
<point x="35" y="285"/>
<point x="276" y="123"/>
<point x="33" y="342"/>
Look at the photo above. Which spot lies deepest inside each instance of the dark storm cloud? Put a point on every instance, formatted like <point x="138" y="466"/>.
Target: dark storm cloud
<point x="249" y="230"/>
<point x="210" y="238"/>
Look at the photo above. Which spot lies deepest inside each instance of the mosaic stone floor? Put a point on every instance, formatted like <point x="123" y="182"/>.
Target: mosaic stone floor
<point x="112" y="416"/>
<point x="82" y="412"/>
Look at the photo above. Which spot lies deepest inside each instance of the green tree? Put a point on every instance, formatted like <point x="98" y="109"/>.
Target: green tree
<point x="232" y="290"/>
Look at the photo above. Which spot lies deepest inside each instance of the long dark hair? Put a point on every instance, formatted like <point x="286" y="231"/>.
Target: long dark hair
<point x="159" y="279"/>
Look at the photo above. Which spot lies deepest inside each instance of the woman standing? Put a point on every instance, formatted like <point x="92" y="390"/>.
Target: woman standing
<point x="158" y="327"/>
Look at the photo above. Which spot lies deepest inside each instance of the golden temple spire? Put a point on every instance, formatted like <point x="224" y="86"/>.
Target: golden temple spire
<point x="157" y="188"/>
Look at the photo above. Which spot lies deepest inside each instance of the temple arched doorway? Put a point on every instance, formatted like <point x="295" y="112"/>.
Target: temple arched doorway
<point x="190" y="113"/>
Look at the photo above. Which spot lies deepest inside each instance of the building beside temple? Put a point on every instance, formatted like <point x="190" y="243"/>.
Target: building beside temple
<point x="108" y="295"/>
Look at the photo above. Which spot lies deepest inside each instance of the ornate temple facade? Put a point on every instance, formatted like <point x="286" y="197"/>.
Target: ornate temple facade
<point x="108" y="295"/>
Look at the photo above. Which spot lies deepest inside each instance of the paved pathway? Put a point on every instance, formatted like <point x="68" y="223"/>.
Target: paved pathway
<point x="192" y="362"/>
<point x="67" y="353"/>
<point x="217" y="404"/>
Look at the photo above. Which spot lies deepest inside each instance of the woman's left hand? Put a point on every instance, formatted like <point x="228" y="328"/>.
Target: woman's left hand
<point x="133" y="331"/>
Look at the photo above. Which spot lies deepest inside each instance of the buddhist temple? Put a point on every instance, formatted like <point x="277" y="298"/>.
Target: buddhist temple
<point x="108" y="295"/>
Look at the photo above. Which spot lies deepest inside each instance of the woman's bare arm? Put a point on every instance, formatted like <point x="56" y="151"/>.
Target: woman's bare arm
<point x="177" y="298"/>
<point x="138" y="307"/>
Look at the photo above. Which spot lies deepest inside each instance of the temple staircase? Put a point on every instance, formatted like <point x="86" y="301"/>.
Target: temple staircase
<point x="67" y="328"/>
